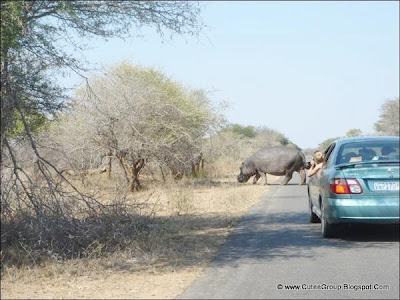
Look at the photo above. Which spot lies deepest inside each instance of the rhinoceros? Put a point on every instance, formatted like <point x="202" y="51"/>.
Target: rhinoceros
<point x="278" y="161"/>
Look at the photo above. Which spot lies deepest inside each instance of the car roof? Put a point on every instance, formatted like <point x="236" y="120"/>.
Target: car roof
<point x="367" y="139"/>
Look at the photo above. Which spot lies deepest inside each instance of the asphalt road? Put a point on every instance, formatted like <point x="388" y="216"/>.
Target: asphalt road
<point x="274" y="252"/>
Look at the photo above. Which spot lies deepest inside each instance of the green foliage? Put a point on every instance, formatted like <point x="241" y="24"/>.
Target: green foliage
<point x="35" y="122"/>
<point x="284" y="141"/>
<point x="13" y="25"/>
<point x="270" y="136"/>
<point x="35" y="34"/>
<point x="245" y="131"/>
<point x="388" y="122"/>
<point x="354" y="132"/>
<point x="236" y="142"/>
<point x="327" y="142"/>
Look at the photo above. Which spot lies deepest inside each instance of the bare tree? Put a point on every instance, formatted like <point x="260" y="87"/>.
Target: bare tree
<point x="33" y="34"/>
<point x="33" y="38"/>
<point x="138" y="115"/>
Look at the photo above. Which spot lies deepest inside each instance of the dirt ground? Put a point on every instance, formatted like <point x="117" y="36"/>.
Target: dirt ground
<point x="213" y="208"/>
<point x="103" y="286"/>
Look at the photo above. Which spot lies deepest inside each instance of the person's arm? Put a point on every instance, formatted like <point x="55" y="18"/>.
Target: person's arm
<point x="311" y="170"/>
<point x="314" y="168"/>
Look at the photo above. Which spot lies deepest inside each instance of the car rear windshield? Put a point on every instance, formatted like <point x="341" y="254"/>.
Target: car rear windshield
<point x="367" y="151"/>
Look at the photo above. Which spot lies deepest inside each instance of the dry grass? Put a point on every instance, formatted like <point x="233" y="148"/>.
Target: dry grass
<point x="191" y="220"/>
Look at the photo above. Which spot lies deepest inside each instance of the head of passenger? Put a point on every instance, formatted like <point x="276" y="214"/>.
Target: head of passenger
<point x="366" y="153"/>
<point x="318" y="156"/>
<point x="387" y="150"/>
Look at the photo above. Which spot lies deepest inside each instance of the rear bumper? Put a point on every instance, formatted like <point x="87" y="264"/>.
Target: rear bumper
<point x="377" y="211"/>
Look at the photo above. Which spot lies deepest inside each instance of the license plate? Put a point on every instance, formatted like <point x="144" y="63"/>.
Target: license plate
<point x="386" y="186"/>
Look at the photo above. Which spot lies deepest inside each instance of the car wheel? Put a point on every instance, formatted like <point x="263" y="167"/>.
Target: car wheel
<point x="328" y="229"/>
<point x="312" y="216"/>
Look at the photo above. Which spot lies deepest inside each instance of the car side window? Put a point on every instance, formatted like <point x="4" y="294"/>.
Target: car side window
<point x="328" y="156"/>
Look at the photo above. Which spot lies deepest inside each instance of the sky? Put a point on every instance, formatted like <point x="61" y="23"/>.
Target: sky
<point x="310" y="70"/>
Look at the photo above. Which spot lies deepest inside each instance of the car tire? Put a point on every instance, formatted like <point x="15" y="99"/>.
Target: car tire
<point x="312" y="216"/>
<point x="328" y="230"/>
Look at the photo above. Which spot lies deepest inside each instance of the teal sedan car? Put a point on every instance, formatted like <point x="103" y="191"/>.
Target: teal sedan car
<point x="359" y="182"/>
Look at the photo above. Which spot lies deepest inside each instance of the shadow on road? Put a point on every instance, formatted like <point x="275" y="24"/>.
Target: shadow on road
<point x="289" y="235"/>
<point x="371" y="233"/>
<point x="288" y="184"/>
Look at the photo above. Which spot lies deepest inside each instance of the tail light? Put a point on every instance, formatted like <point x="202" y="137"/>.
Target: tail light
<point x="345" y="186"/>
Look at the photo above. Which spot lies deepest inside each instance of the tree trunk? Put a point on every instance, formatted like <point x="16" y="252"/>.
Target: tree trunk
<point x="135" y="185"/>
<point x="162" y="173"/>
<point x="123" y="164"/>
<point x="202" y="164"/>
<point x="131" y="171"/>
<point x="136" y="167"/>
<point x="108" y="165"/>
<point x="198" y="165"/>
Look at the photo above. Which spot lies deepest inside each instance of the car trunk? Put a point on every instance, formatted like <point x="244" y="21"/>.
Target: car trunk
<point x="376" y="181"/>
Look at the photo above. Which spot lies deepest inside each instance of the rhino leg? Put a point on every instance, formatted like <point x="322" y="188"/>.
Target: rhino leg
<point x="287" y="178"/>
<point x="302" y="177"/>
<point x="264" y="176"/>
<point x="256" y="177"/>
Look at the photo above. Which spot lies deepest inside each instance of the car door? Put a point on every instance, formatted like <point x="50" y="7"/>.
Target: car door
<point x="314" y="184"/>
<point x="322" y="181"/>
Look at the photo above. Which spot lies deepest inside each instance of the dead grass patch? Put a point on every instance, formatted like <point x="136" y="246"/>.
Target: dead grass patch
<point x="191" y="220"/>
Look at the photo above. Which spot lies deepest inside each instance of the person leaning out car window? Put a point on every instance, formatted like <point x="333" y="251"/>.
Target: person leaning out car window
<point x="316" y="164"/>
